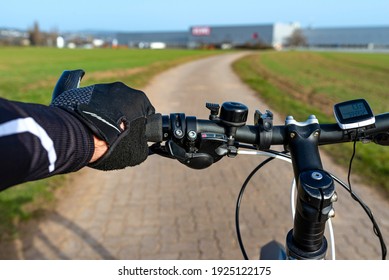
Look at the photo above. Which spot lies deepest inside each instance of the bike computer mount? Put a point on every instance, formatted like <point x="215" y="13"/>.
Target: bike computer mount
<point x="354" y="114"/>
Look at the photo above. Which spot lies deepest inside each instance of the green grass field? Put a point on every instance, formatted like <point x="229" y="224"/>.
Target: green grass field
<point x="303" y="83"/>
<point x="30" y="74"/>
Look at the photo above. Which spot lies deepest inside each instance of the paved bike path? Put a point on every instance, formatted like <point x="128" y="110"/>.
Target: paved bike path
<point x="164" y="210"/>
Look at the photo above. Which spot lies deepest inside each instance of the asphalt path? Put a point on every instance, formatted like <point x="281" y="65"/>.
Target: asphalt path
<point x="164" y="210"/>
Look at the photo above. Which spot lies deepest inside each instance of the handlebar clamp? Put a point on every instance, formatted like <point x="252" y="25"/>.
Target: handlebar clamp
<point x="265" y="124"/>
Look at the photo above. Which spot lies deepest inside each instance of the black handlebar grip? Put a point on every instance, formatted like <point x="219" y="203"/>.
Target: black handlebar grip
<point x="69" y="79"/>
<point x="154" y="128"/>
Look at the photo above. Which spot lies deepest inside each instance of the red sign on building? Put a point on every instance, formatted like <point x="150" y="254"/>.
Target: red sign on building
<point x="201" y="31"/>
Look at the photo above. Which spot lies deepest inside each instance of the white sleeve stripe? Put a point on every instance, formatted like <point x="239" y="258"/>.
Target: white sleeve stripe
<point x="30" y="125"/>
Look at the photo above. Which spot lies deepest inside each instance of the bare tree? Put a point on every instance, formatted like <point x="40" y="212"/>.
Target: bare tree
<point x="35" y="35"/>
<point x="297" y="39"/>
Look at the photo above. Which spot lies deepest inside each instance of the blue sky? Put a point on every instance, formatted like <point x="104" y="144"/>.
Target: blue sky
<point x="171" y="15"/>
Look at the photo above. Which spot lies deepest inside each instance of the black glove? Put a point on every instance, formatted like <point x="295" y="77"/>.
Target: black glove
<point x="103" y="108"/>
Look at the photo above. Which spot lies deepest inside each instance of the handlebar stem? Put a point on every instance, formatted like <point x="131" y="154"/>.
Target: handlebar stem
<point x="315" y="191"/>
<point x="302" y="141"/>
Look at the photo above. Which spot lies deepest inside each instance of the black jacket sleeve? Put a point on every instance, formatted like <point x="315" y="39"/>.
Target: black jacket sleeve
<point x="38" y="141"/>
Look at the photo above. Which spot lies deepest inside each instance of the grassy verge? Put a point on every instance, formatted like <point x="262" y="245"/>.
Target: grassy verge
<point x="29" y="75"/>
<point x="304" y="83"/>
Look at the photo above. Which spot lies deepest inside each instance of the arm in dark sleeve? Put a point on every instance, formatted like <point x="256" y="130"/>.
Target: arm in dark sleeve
<point x="38" y="141"/>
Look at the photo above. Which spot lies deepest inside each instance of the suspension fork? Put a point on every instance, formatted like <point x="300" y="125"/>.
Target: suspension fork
<point x="315" y="191"/>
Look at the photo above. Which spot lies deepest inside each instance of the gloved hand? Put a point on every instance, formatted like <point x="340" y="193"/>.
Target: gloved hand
<point x="116" y="114"/>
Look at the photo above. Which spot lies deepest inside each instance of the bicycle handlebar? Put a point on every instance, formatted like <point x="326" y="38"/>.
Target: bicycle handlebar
<point x="251" y="134"/>
<point x="234" y="115"/>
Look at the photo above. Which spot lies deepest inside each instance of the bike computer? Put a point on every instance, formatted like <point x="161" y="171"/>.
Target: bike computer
<point x="354" y="114"/>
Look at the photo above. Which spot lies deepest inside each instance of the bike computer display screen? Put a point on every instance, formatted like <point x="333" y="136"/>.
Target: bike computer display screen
<point x="354" y="114"/>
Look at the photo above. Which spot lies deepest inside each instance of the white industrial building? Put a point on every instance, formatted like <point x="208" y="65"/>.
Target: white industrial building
<point x="265" y="35"/>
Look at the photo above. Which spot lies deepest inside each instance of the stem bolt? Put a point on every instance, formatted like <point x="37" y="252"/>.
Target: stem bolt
<point x="178" y="133"/>
<point x="334" y="197"/>
<point x="316" y="176"/>
<point x="331" y="214"/>
<point x="192" y="135"/>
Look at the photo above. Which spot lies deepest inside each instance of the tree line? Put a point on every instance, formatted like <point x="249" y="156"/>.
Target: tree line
<point x="33" y="37"/>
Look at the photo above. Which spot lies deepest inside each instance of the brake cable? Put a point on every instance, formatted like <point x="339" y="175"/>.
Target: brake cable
<point x="348" y="187"/>
<point x="272" y="155"/>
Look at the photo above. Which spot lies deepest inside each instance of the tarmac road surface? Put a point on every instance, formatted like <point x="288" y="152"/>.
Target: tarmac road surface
<point x="164" y="210"/>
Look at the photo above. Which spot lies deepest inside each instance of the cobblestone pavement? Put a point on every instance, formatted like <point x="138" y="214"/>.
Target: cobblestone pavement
<point x="164" y="210"/>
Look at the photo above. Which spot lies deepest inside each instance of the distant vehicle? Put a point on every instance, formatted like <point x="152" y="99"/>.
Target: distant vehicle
<point x="152" y="45"/>
<point x="158" y="45"/>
